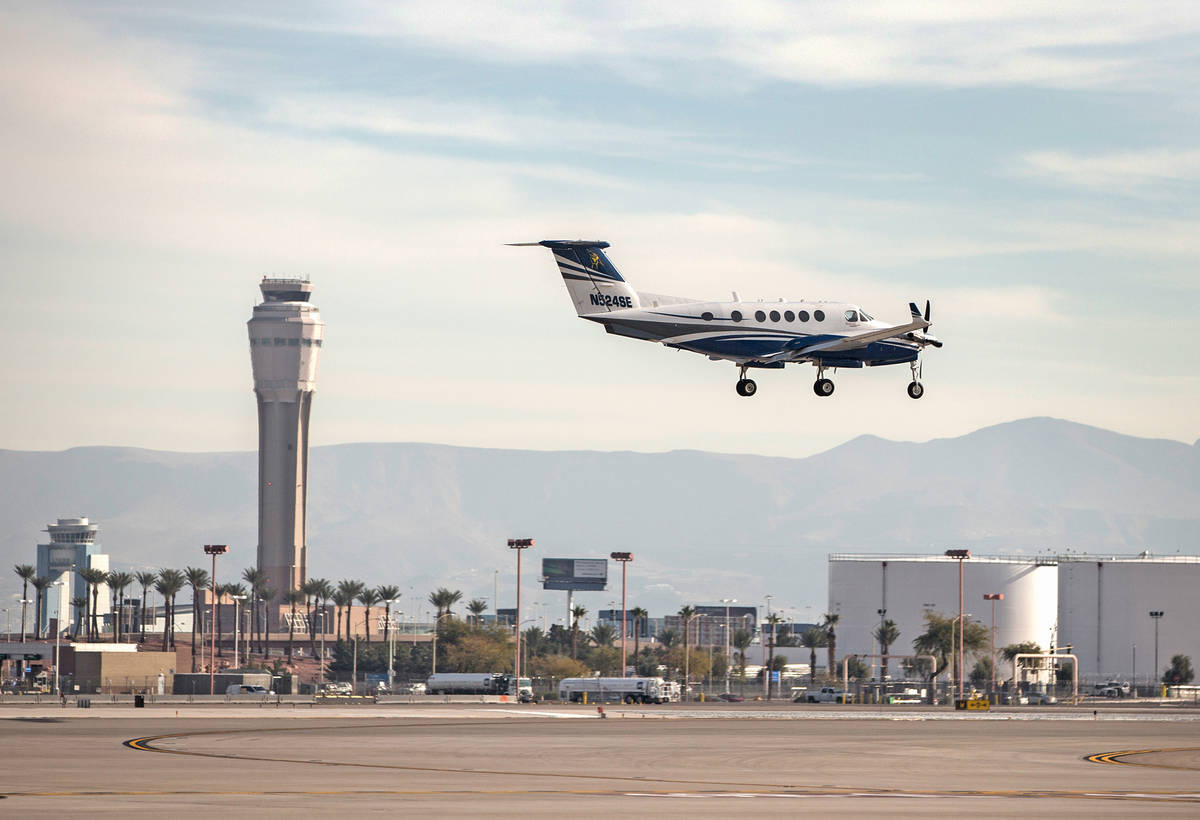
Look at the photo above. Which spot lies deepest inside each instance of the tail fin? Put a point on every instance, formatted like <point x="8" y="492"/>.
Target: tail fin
<point x="591" y="279"/>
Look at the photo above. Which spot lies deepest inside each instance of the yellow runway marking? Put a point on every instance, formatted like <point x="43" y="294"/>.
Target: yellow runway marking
<point x="1118" y="758"/>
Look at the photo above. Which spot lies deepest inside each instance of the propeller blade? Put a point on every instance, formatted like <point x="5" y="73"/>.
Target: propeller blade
<point x="926" y="310"/>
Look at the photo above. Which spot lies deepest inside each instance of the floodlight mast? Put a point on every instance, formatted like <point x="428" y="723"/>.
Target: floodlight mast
<point x="519" y="544"/>
<point x="214" y="550"/>
<point x="624" y="558"/>
<point x="960" y="556"/>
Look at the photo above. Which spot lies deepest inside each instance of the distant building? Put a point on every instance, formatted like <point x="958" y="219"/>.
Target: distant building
<point x="72" y="548"/>
<point x="708" y="626"/>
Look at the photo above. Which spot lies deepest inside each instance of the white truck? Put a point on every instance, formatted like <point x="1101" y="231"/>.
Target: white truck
<point x="828" y="694"/>
<point x="628" y="690"/>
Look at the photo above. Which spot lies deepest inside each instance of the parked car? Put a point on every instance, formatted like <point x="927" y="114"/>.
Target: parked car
<point x="1040" y="699"/>
<point x="731" y="697"/>
<point x="334" y="688"/>
<point x="247" y="689"/>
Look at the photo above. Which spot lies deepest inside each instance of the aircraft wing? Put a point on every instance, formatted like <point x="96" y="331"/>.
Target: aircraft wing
<point x="849" y="342"/>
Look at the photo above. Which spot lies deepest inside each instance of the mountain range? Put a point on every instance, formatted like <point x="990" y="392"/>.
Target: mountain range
<point x="703" y="526"/>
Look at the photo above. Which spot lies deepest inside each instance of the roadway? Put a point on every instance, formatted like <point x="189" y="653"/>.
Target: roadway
<point x="711" y="759"/>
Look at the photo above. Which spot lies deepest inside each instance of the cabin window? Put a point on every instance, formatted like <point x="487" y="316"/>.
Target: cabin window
<point x="864" y="316"/>
<point x="760" y="316"/>
<point x="851" y="316"/>
<point x="789" y="316"/>
<point x="736" y="316"/>
<point x="706" y="316"/>
<point x="803" y="315"/>
<point x="774" y="316"/>
<point x="819" y="315"/>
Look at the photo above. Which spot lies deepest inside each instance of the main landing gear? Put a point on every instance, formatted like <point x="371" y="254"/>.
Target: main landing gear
<point x="745" y="387"/>
<point x="822" y="386"/>
<point x="915" y="388"/>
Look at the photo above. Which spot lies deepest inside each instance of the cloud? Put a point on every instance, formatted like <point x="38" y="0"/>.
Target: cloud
<point x="1126" y="170"/>
<point x="875" y="42"/>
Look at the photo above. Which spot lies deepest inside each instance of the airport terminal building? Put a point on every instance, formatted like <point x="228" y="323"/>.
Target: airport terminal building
<point x="1098" y="605"/>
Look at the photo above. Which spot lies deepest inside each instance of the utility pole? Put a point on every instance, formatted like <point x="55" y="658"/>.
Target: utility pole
<point x="993" y="597"/>
<point x="728" y="657"/>
<point x="1156" y="614"/>
<point x="520" y="545"/>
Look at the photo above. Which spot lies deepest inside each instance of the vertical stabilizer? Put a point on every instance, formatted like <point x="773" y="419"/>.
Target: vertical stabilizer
<point x="591" y="279"/>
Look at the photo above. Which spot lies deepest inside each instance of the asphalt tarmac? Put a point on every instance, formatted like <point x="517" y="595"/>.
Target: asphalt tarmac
<point x="458" y="760"/>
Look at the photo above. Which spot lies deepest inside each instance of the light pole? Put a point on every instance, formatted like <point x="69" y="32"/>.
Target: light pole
<point x="960" y="556"/>
<point x="214" y="550"/>
<point x="766" y="671"/>
<point x="496" y="596"/>
<point x="624" y="558"/>
<point x="993" y="597"/>
<point x="1156" y="614"/>
<point x="391" y="649"/>
<point x="237" y="630"/>
<point x="520" y="545"/>
<point x="321" y="660"/>
<point x="728" y="659"/>
<point x="57" y="639"/>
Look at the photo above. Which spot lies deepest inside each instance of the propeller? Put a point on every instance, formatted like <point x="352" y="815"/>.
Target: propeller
<point x="926" y="310"/>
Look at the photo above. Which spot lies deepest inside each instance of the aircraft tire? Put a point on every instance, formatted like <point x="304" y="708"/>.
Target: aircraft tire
<point x="746" y="387"/>
<point x="916" y="390"/>
<point x="823" y="387"/>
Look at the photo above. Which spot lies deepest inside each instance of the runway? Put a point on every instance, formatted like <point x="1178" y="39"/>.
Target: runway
<point x="513" y="760"/>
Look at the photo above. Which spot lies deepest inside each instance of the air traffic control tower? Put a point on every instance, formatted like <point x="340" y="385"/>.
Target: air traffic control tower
<point x="285" y="344"/>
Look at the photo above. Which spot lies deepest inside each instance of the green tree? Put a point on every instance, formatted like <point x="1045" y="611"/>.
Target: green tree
<point x="1179" y="672"/>
<point x="341" y="601"/>
<point x="387" y="593"/>
<point x="940" y="639"/>
<point x="368" y="598"/>
<point x="606" y="660"/>
<point x="639" y="616"/>
<point x="256" y="579"/>
<point x="118" y="582"/>
<point x="146" y="579"/>
<point x="887" y="633"/>
<point x="557" y="667"/>
<point x="26" y="572"/>
<point x="312" y="590"/>
<point x="40" y="583"/>
<point x="773" y="620"/>
<point x="197" y="579"/>
<point x="169" y="582"/>
<point x="477" y="606"/>
<point x="444" y="599"/>
<point x="324" y="594"/>
<point x="981" y="674"/>
<point x="668" y="638"/>
<point x="828" y="622"/>
<point x="1023" y="648"/>
<point x="577" y="613"/>
<point x="813" y="639"/>
<point x="349" y="589"/>
<point x="79" y="602"/>
<point x="478" y="651"/>
<point x="741" y="642"/>
<point x="603" y="634"/>
<point x="856" y="669"/>
<point x="93" y="578"/>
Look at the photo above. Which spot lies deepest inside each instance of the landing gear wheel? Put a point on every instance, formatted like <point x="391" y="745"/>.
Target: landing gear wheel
<point x="823" y="387"/>
<point x="916" y="390"/>
<point x="746" y="387"/>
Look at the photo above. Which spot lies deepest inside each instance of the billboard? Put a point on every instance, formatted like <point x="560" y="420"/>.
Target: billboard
<point x="586" y="574"/>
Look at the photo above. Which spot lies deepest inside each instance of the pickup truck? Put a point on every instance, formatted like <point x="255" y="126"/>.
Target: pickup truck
<point x="828" y="694"/>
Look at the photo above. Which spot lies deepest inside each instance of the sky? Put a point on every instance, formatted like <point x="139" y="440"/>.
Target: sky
<point x="1031" y="169"/>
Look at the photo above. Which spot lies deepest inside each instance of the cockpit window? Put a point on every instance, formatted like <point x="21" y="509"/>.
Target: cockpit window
<point x="851" y="316"/>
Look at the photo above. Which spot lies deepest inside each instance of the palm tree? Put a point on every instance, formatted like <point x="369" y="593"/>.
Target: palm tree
<point x="577" y="612"/>
<point x="26" y="572"/>
<point x="350" y="590"/>
<point x="224" y="591"/>
<point x="291" y="598"/>
<point x="311" y="589"/>
<point x="477" y="607"/>
<point x="117" y="582"/>
<point x="266" y="595"/>
<point x="169" y="582"/>
<point x="340" y="601"/>
<point x="39" y="588"/>
<point x="886" y="633"/>
<point x="603" y="634"/>
<point x="93" y="578"/>
<point x="774" y="619"/>
<point x="639" y="616"/>
<point x="145" y="578"/>
<point x="813" y="638"/>
<point x="444" y="599"/>
<point x="828" y="622"/>
<point x="387" y="594"/>
<point x="79" y="602"/>
<point x="668" y="638"/>
<point x="741" y="641"/>
<point x="368" y="598"/>
<point x="256" y="579"/>
<point x="324" y="593"/>
<point x="197" y="579"/>
<point x="686" y="613"/>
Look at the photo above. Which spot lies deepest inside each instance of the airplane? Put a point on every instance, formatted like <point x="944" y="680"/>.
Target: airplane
<point x="826" y="334"/>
